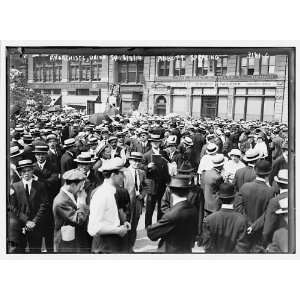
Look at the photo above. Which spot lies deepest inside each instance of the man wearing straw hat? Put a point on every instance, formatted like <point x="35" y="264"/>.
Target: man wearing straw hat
<point x="280" y="241"/>
<point x="246" y="174"/>
<point x="70" y="213"/>
<point x="271" y="219"/>
<point x="67" y="160"/>
<point x="177" y="228"/>
<point x="45" y="173"/>
<point x="30" y="203"/>
<point x="225" y="231"/>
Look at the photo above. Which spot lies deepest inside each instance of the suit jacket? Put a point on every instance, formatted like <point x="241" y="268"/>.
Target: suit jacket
<point x="253" y="198"/>
<point x="138" y="147"/>
<point x="55" y="159"/>
<point x="280" y="242"/>
<point x="34" y="209"/>
<point x="177" y="228"/>
<point x="49" y="177"/>
<point x="225" y="231"/>
<point x="66" y="213"/>
<point x="243" y="175"/>
<point x="158" y="175"/>
<point x="211" y="182"/>
<point x="67" y="162"/>
<point x="91" y="182"/>
<point x="272" y="221"/>
<point x="278" y="164"/>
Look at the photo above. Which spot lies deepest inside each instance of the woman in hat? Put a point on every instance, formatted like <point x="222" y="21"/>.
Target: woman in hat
<point x="261" y="146"/>
<point x="232" y="165"/>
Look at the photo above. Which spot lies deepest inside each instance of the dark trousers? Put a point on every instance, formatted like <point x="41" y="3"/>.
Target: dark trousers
<point x="48" y="232"/>
<point x="151" y="201"/>
<point x="137" y="211"/>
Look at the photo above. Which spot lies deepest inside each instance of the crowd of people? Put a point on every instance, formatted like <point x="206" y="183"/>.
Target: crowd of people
<point x="79" y="187"/>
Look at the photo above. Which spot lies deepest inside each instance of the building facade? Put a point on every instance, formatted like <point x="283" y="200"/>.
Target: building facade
<point x="228" y="86"/>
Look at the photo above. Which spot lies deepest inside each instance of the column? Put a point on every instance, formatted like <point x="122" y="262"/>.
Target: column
<point x="257" y="66"/>
<point x="171" y="69"/>
<point x="168" y="104"/>
<point x="188" y="66"/>
<point x="189" y="100"/>
<point x="230" y="103"/>
<point x="64" y="71"/>
<point x="30" y="69"/>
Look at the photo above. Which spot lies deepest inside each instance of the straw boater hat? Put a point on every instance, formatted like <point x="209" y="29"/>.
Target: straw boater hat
<point x="235" y="152"/>
<point x="112" y="138"/>
<point x="136" y="156"/>
<point x="282" y="177"/>
<point x="251" y="155"/>
<point x="212" y="148"/>
<point x="84" y="158"/>
<point x="284" y="205"/>
<point x="180" y="182"/>
<point x="15" y="151"/>
<point x="218" y="160"/>
<point x="69" y="143"/>
<point x="51" y="136"/>
<point x="171" y="140"/>
<point x="27" y="139"/>
<point x="24" y="163"/>
<point x="93" y="141"/>
<point x="155" y="138"/>
<point x="41" y="148"/>
<point x="188" y="141"/>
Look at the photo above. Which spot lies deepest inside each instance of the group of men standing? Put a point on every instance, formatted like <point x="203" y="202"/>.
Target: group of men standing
<point x="80" y="188"/>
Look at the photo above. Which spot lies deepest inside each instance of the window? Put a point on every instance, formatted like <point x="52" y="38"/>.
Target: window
<point x="202" y="65"/>
<point x="96" y="70"/>
<point x="179" y="67"/>
<point x="46" y="70"/>
<point x="57" y="91"/>
<point x="94" y="93"/>
<point x="271" y="64"/>
<point x="74" y="72"/>
<point x="82" y="92"/>
<point x="47" y="92"/>
<point x="85" y="69"/>
<point x="163" y="68"/>
<point x="130" y="71"/>
<point x="221" y="66"/>
<point x="247" y="65"/>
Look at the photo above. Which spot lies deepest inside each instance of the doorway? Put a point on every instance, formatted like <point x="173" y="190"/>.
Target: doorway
<point x="209" y="107"/>
<point x="160" y="106"/>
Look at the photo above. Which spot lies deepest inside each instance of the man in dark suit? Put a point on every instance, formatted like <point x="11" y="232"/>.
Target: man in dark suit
<point x="54" y="153"/>
<point x="271" y="219"/>
<point x="177" y="228"/>
<point x="143" y="145"/>
<point x="280" y="163"/>
<point x="211" y="182"/>
<point x="253" y="198"/>
<point x="29" y="203"/>
<point x="158" y="174"/>
<point x="46" y="173"/>
<point x="225" y="231"/>
<point x="246" y="174"/>
<point x="67" y="160"/>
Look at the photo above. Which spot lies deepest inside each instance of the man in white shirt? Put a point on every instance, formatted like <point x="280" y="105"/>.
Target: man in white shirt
<point x="104" y="222"/>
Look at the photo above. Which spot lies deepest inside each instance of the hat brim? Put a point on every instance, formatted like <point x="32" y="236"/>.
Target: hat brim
<point x="37" y="151"/>
<point x="84" y="162"/>
<point x="135" y="158"/>
<point x="280" y="181"/>
<point x="25" y="166"/>
<point x="222" y="196"/>
<point x="68" y="146"/>
<point x="210" y="153"/>
<point x="155" y="140"/>
<point x="15" y="155"/>
<point x="281" y="211"/>
<point x="263" y="173"/>
<point x="179" y="187"/>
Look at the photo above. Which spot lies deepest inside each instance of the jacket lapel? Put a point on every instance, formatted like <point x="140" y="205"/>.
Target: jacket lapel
<point x="32" y="191"/>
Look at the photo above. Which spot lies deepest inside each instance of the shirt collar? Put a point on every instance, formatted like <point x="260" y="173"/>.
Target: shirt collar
<point x="155" y="151"/>
<point x="283" y="191"/>
<point x="42" y="164"/>
<point x="69" y="194"/>
<point x="260" y="179"/>
<point x="177" y="199"/>
<point x="227" y="206"/>
<point x="29" y="182"/>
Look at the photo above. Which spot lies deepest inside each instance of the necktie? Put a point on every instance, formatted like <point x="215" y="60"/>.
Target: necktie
<point x="135" y="180"/>
<point x="27" y="190"/>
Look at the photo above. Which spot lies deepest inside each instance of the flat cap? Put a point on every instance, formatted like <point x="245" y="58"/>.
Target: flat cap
<point x="74" y="174"/>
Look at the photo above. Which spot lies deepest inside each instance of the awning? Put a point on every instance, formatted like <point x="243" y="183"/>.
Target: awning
<point x="77" y="100"/>
<point x="55" y="100"/>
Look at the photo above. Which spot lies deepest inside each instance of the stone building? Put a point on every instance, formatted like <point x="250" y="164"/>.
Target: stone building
<point x="228" y="86"/>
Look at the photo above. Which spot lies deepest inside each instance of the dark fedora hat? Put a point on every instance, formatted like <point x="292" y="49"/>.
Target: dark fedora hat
<point x="41" y="148"/>
<point x="263" y="167"/>
<point x="136" y="156"/>
<point x="180" y="182"/>
<point x="226" y="190"/>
